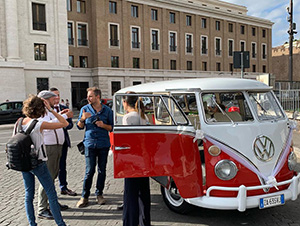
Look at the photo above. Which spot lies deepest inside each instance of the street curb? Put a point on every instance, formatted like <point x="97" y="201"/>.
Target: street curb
<point x="290" y="116"/>
<point x="7" y="126"/>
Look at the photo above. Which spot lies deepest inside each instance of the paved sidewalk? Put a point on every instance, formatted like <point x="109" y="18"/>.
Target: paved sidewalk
<point x="12" y="211"/>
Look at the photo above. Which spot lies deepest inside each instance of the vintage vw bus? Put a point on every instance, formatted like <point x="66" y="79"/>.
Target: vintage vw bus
<point x="218" y="143"/>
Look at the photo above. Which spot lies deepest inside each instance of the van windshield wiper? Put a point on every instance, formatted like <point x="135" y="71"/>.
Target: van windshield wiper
<point x="223" y="112"/>
<point x="262" y="108"/>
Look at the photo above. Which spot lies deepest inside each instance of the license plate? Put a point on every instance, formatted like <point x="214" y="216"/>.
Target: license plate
<point x="271" y="201"/>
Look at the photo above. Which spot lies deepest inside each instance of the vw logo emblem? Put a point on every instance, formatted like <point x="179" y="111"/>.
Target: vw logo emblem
<point x="263" y="148"/>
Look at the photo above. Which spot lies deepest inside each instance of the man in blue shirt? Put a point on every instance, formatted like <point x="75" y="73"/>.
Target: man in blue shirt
<point x="97" y="119"/>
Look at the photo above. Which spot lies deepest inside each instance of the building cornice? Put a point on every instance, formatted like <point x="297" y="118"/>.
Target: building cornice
<point x="236" y="7"/>
<point x="131" y="72"/>
<point x="214" y="9"/>
<point x="12" y="64"/>
<point x="34" y="67"/>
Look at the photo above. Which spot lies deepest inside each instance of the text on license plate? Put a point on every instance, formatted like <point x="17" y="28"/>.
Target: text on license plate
<point x="271" y="201"/>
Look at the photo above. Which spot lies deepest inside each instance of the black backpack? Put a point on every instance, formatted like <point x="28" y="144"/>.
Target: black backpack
<point x="21" y="155"/>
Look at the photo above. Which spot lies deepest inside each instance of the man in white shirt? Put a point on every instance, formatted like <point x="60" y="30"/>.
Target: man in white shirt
<point x="62" y="175"/>
<point x="53" y="140"/>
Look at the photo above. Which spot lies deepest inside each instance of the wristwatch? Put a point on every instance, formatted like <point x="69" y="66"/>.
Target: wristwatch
<point x="51" y="109"/>
<point x="82" y="121"/>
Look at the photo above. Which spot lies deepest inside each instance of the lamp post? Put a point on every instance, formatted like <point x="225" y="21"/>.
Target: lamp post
<point x="291" y="33"/>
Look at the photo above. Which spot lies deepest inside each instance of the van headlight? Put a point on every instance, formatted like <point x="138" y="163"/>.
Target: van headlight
<point x="292" y="161"/>
<point x="225" y="169"/>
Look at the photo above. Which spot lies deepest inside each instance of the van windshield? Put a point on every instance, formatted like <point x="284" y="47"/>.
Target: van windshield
<point x="265" y="106"/>
<point x="226" y="107"/>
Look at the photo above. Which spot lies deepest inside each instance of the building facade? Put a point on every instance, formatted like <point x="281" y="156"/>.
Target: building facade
<point x="280" y="62"/>
<point x="74" y="44"/>
<point x="126" y="42"/>
<point x="33" y="48"/>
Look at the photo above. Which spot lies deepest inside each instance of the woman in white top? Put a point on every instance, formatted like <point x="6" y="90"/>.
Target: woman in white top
<point x="33" y="108"/>
<point x="136" y="209"/>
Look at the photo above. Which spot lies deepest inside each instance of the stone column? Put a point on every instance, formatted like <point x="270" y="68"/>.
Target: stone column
<point x="12" y="34"/>
<point x="1" y="57"/>
<point x="2" y="31"/>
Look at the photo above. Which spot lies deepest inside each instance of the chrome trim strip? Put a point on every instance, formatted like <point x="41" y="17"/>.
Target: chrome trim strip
<point x="135" y="130"/>
<point x="121" y="148"/>
<point x="282" y="150"/>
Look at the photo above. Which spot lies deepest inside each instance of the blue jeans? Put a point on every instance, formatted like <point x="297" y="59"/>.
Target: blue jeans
<point x="91" y="157"/>
<point x="43" y="175"/>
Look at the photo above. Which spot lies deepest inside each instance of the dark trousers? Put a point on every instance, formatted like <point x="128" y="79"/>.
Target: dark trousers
<point x="62" y="175"/>
<point x="136" y="210"/>
<point x="92" y="156"/>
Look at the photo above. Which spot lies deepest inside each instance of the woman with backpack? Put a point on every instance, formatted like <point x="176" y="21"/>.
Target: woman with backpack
<point x="33" y="108"/>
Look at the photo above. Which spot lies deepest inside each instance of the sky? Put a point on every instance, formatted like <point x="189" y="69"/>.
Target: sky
<point x="274" y="10"/>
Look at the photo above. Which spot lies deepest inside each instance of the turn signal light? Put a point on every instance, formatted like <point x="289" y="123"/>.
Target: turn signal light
<point x="214" y="150"/>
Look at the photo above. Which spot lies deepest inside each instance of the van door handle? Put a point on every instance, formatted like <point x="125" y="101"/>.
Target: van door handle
<point x="121" y="148"/>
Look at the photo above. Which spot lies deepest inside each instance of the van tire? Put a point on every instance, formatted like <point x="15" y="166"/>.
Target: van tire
<point x="174" y="201"/>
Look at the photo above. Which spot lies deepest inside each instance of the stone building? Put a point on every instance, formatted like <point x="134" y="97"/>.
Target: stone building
<point x="33" y="48"/>
<point x="127" y="42"/>
<point x="280" y="62"/>
<point x="117" y="43"/>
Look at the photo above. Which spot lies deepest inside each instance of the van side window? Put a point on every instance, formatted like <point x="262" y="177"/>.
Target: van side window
<point x="187" y="102"/>
<point x="159" y="110"/>
<point x="226" y="107"/>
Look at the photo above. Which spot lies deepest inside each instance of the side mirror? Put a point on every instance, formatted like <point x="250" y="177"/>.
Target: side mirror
<point x="295" y="115"/>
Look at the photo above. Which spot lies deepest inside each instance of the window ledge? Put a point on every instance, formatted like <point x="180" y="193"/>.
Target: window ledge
<point x="37" y="32"/>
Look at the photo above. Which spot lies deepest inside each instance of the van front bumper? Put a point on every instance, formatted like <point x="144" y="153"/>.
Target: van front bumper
<point x="242" y="202"/>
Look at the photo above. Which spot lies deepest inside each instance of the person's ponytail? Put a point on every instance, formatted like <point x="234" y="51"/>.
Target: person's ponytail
<point x="139" y="107"/>
<point x="136" y="103"/>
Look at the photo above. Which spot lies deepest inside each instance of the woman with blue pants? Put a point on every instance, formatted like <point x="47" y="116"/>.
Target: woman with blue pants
<point x="33" y="108"/>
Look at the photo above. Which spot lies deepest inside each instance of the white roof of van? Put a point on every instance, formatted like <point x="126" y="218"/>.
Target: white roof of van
<point x="204" y="84"/>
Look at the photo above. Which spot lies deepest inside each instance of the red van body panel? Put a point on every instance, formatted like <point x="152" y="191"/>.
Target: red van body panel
<point x="159" y="154"/>
<point x="244" y="176"/>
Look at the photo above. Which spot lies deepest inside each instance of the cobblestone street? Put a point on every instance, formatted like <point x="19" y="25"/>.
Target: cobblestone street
<point x="12" y="211"/>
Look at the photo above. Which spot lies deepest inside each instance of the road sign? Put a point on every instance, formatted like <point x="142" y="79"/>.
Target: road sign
<point x="239" y="62"/>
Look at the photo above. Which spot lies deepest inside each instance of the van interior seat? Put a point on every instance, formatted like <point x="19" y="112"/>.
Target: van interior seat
<point x="151" y="119"/>
<point x="194" y="119"/>
<point x="207" y="116"/>
<point x="235" y="116"/>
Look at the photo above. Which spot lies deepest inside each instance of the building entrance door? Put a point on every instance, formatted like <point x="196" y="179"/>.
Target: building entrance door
<point x="78" y="92"/>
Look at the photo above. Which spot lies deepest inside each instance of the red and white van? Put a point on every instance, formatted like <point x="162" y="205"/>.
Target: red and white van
<point x="219" y="143"/>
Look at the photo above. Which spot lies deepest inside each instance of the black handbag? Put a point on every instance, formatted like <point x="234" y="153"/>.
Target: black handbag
<point x="80" y="147"/>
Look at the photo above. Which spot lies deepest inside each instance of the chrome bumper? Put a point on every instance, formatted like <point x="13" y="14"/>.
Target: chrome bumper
<point x="242" y="202"/>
